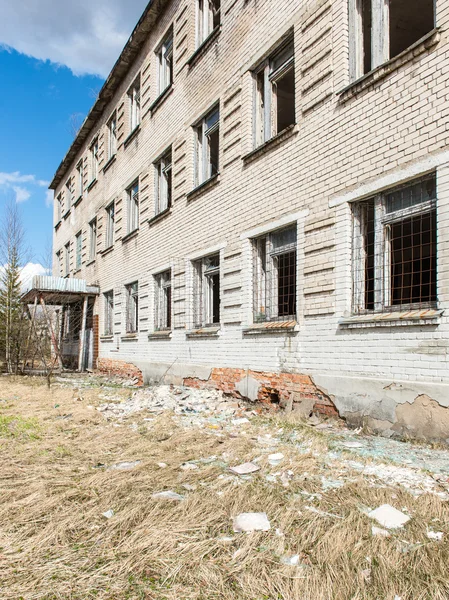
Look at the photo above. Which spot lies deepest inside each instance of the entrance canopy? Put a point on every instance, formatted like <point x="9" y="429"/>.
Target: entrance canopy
<point x="58" y="290"/>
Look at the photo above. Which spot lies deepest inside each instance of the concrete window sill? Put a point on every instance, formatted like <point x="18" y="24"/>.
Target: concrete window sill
<point x="203" y="332"/>
<point x="91" y="262"/>
<point x="272" y="328"/>
<point x="107" y="338"/>
<point x="160" y="216"/>
<point x="130" y="235"/>
<point x="110" y="162"/>
<point x="129" y="337"/>
<point x="66" y="214"/>
<point x="204" y="46"/>
<point x="409" y="318"/>
<point x="91" y="184"/>
<point x="107" y="250"/>
<point x="160" y="335"/>
<point x="78" y="200"/>
<point x="161" y="99"/>
<point x="274" y="142"/>
<point x="131" y="136"/>
<point x="420" y="47"/>
<point x="58" y="224"/>
<point x="204" y="187"/>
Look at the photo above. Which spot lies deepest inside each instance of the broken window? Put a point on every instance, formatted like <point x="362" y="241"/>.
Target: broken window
<point x="382" y="29"/>
<point x="94" y="160"/>
<point x="207" y="291"/>
<point x="67" y="259"/>
<point x="134" y="104"/>
<point x="207" y="147"/>
<point x="394" y="249"/>
<point x="80" y="177"/>
<point x="112" y="136"/>
<point x="58" y="263"/>
<point x="93" y="239"/>
<point x="110" y="224"/>
<point x="79" y="248"/>
<point x="163" y="297"/>
<point x="69" y="193"/>
<point x="207" y="19"/>
<point x="58" y="208"/>
<point x="108" y="313"/>
<point x="165" y="63"/>
<point x="275" y="94"/>
<point x="163" y="191"/>
<point x="132" y="307"/>
<point x="274" y="280"/>
<point x="133" y="207"/>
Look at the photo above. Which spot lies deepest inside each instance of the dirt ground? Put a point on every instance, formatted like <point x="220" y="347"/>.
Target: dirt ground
<point x="82" y="465"/>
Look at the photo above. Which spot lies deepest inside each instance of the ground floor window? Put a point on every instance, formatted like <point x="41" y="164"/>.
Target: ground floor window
<point x="207" y="291"/>
<point x="108" y="312"/>
<point x="394" y="249"/>
<point x="132" y="307"/>
<point x="163" y="299"/>
<point x="274" y="282"/>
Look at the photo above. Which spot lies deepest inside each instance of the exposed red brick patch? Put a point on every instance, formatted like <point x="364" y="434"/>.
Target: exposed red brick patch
<point x="120" y="368"/>
<point x="276" y="389"/>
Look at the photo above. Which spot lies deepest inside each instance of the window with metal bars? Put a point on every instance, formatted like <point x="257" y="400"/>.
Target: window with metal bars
<point x="108" y="298"/>
<point x="163" y="182"/>
<point x="394" y="249"/>
<point x="134" y="104"/>
<point x="67" y="259"/>
<point x="133" y="207"/>
<point x="207" y="19"/>
<point x="132" y="307"/>
<point x="79" y="248"/>
<point x="274" y="94"/>
<point x="207" y="146"/>
<point x="274" y="280"/>
<point x="165" y="63"/>
<point x="163" y="301"/>
<point x="207" y="291"/>
<point x="110" y="224"/>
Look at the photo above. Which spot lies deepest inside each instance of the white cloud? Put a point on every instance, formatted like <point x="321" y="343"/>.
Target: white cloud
<point x="21" y="185"/>
<point x="49" y="198"/>
<point x="85" y="36"/>
<point x="27" y="273"/>
<point x="22" y="195"/>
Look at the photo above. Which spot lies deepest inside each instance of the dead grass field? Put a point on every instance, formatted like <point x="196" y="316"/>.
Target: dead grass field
<point x="55" y="542"/>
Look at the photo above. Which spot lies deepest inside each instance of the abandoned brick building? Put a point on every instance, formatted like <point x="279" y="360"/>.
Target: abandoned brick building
<point x="259" y="194"/>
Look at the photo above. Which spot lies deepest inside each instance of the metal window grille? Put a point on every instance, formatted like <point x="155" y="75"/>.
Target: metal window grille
<point x="133" y="208"/>
<point x="394" y="249"/>
<point x="163" y="193"/>
<point x="165" y="63"/>
<point x="134" y="105"/>
<point x="109" y="313"/>
<point x="163" y="301"/>
<point x="207" y="291"/>
<point x="67" y="258"/>
<point x="110" y="216"/>
<point x="79" y="244"/>
<point x="207" y="146"/>
<point x="208" y="18"/>
<point x="274" y="94"/>
<point x="274" y="280"/>
<point x="112" y="138"/>
<point x="93" y="239"/>
<point x="132" y="307"/>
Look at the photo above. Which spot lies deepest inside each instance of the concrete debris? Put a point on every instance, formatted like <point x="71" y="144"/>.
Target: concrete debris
<point x="378" y="531"/>
<point x="435" y="535"/>
<point x="162" y="465"/>
<point x="167" y="495"/>
<point x="352" y="444"/>
<point x="189" y="487"/>
<point x="189" y="467"/>
<point x="108" y="514"/>
<point x="389" y="517"/>
<point x="291" y="561"/>
<point x="247" y="522"/>
<point x="124" y="466"/>
<point x="331" y="484"/>
<point x="245" y="469"/>
<point x="275" y="459"/>
<point x="240" y="421"/>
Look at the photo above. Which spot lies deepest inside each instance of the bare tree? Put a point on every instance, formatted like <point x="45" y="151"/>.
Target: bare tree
<point x="13" y="253"/>
<point x="75" y="122"/>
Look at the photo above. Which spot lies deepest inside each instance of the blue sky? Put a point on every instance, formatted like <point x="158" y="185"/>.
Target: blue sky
<point x="53" y="60"/>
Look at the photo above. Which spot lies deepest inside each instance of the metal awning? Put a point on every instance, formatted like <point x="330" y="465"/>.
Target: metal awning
<point x="58" y="290"/>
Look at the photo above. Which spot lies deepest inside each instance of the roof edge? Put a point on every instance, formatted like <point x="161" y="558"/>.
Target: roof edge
<point x="110" y="86"/>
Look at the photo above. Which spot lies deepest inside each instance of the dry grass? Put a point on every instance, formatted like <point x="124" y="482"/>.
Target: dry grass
<point x="55" y="543"/>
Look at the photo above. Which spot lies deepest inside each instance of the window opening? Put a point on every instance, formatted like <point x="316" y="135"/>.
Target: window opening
<point x="163" y="301"/>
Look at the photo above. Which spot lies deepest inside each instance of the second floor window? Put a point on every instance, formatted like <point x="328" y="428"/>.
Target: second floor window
<point x="69" y="194"/>
<point x="67" y="259"/>
<point x="58" y="208"/>
<point x="274" y="107"/>
<point x="133" y="207"/>
<point x="207" y="134"/>
<point x="94" y="160"/>
<point x="207" y="19"/>
<point x="80" y="177"/>
<point x="93" y="239"/>
<point x="108" y="298"/>
<point x="132" y="307"/>
<point x="112" y="136"/>
<point x="79" y="249"/>
<point x="382" y="29"/>
<point x="163" y="187"/>
<point x="134" y="104"/>
<point x="207" y="291"/>
<point x="165" y="63"/>
<point x="163" y="301"/>
<point x="110" y="225"/>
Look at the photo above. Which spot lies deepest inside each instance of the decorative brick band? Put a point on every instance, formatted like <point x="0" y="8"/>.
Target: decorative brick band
<point x="120" y="368"/>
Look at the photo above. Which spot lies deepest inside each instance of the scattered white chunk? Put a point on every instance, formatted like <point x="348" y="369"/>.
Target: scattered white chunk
<point x="251" y="522"/>
<point x="435" y="535"/>
<point x="245" y="469"/>
<point x="167" y="495"/>
<point x="108" y="514"/>
<point x="275" y="459"/>
<point x="352" y="445"/>
<point x="291" y="561"/>
<point x="240" y="421"/>
<point x="379" y="531"/>
<point x="189" y="467"/>
<point x="389" y="517"/>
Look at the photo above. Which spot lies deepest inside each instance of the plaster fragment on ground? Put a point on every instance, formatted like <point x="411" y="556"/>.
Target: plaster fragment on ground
<point x="245" y="469"/>
<point x="435" y="535"/>
<point x="378" y="531"/>
<point x="189" y="467"/>
<point x="389" y="517"/>
<point x="248" y="522"/>
<point x="275" y="459"/>
<point x="124" y="466"/>
<point x="291" y="561"/>
<point x="108" y="514"/>
<point x="167" y="495"/>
